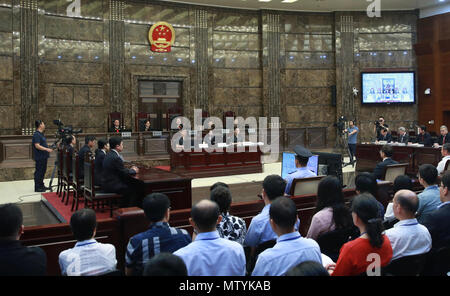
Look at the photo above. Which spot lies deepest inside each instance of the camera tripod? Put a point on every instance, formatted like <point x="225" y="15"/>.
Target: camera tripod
<point x="342" y="144"/>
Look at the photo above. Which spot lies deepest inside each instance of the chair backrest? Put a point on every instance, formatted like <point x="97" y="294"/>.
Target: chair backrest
<point x="228" y="114"/>
<point x="89" y="187"/>
<point x="406" y="266"/>
<point x="331" y="242"/>
<point x="67" y="163"/>
<point x="394" y="170"/>
<point x="141" y="118"/>
<point x="75" y="168"/>
<point x="60" y="159"/>
<point x="305" y="186"/>
<point x="113" y="116"/>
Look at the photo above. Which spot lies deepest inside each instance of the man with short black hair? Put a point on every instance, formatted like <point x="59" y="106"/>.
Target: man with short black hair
<point x="429" y="199"/>
<point x="159" y="238"/>
<point x="165" y="264"/>
<point x="117" y="179"/>
<point x="424" y="137"/>
<point x="378" y="127"/>
<point x="209" y="254"/>
<point x="385" y="154"/>
<point x="15" y="259"/>
<point x="88" y="257"/>
<point x="291" y="249"/>
<point x="445" y="152"/>
<point x="41" y="153"/>
<point x="407" y="237"/>
<point x="89" y="143"/>
<point x="385" y="135"/>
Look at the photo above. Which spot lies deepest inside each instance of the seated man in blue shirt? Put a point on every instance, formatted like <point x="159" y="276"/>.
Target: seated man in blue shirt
<point x="159" y="238"/>
<point x="209" y="254"/>
<point x="301" y="162"/>
<point x="291" y="248"/>
<point x="260" y="230"/>
<point x="430" y="198"/>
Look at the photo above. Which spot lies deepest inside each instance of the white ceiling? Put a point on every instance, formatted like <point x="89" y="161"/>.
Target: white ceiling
<point x="318" y="5"/>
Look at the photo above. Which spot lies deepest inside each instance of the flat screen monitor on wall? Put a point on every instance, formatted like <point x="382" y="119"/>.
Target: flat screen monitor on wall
<point x="388" y="88"/>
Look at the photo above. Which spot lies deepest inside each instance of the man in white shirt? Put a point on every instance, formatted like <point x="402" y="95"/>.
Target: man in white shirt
<point x="445" y="152"/>
<point x="407" y="237"/>
<point x="88" y="257"/>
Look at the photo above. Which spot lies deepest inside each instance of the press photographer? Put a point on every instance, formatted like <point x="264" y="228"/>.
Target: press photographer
<point x="380" y="124"/>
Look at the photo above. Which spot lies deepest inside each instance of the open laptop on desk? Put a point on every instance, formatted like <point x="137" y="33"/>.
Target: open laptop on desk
<point x="288" y="164"/>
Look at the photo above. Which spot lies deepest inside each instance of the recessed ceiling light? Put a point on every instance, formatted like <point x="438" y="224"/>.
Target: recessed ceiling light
<point x="264" y="0"/>
<point x="289" y="1"/>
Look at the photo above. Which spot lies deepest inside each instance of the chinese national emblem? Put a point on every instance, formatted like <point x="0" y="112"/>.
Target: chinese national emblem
<point x="161" y="37"/>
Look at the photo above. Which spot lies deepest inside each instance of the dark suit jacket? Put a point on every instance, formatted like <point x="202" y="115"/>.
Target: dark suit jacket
<point x="387" y="138"/>
<point x="115" y="177"/>
<point x="19" y="260"/>
<point x="441" y="139"/>
<point x="425" y="139"/>
<point x="379" y="169"/>
<point x="81" y="155"/>
<point x="438" y="224"/>
<point x="114" y="130"/>
<point x="98" y="166"/>
<point x="404" y="139"/>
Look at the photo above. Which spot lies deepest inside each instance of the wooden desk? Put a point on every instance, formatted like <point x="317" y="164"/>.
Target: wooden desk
<point x="218" y="163"/>
<point x="368" y="155"/>
<point x="176" y="186"/>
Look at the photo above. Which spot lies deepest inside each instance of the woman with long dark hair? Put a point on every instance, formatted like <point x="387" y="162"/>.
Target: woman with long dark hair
<point x="372" y="248"/>
<point x="331" y="212"/>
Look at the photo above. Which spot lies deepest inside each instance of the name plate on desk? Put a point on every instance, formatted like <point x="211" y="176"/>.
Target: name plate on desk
<point x="192" y="133"/>
<point x="157" y="133"/>
<point x="126" y="134"/>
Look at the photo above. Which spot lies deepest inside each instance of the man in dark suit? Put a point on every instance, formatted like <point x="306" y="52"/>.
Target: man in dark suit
<point x="424" y="137"/>
<point x="403" y="137"/>
<point x="100" y="153"/>
<point x="89" y="141"/>
<point x="118" y="179"/>
<point x="385" y="154"/>
<point x="444" y="137"/>
<point x="385" y="136"/>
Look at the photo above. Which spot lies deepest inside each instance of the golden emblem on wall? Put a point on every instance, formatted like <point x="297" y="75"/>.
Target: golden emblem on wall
<point x="161" y="37"/>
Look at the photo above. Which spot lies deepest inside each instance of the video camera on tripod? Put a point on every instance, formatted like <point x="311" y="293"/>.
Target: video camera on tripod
<point x="340" y="125"/>
<point x="63" y="131"/>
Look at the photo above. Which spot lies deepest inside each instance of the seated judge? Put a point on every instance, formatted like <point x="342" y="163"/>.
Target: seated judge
<point x="116" y="128"/>
<point x="403" y="137"/>
<point x="210" y="139"/>
<point x="100" y="153"/>
<point x="424" y="137"/>
<point x="117" y="179"/>
<point x="147" y="126"/>
<point x="385" y="154"/>
<point x="301" y="162"/>
<point x="443" y="138"/>
<point x="385" y="136"/>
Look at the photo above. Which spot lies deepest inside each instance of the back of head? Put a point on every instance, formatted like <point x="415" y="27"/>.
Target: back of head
<point x="274" y="186"/>
<point x="155" y="206"/>
<point x="165" y="264"/>
<point x="428" y="173"/>
<point x="446" y="147"/>
<point x="83" y="223"/>
<point x="387" y="150"/>
<point x="366" y="182"/>
<point x="205" y="214"/>
<point x="329" y="194"/>
<point x="402" y="182"/>
<point x="365" y="206"/>
<point x="222" y="196"/>
<point x="68" y="140"/>
<point x="89" y="138"/>
<point x="283" y="212"/>
<point x="114" y="142"/>
<point x="303" y="161"/>
<point x="101" y="143"/>
<point x="308" y="268"/>
<point x="408" y="201"/>
<point x="423" y="127"/>
<point x="445" y="180"/>
<point x="11" y="219"/>
<point x="213" y="186"/>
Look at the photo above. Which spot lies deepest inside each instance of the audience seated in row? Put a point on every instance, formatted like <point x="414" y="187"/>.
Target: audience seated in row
<point x="308" y="268"/>
<point x="445" y="152"/>
<point x="159" y="238"/>
<point x="88" y="257"/>
<point x="230" y="227"/>
<point x="290" y="249"/>
<point x="429" y="199"/>
<point x="400" y="182"/>
<point x="385" y="154"/>
<point x="367" y="183"/>
<point x="165" y="264"/>
<point x="16" y="259"/>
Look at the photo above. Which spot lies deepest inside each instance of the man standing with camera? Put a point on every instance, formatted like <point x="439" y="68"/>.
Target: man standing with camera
<point x="41" y="154"/>
<point x="380" y="125"/>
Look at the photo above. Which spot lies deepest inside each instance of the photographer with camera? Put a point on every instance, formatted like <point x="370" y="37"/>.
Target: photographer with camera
<point x="352" y="139"/>
<point x="41" y="154"/>
<point x="380" y="124"/>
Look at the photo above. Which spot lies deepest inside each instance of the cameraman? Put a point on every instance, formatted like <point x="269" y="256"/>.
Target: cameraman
<point x="41" y="155"/>
<point x="352" y="138"/>
<point x="380" y="125"/>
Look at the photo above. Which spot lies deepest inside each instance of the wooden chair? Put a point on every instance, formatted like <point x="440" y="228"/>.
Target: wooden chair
<point x="90" y="191"/>
<point x="76" y="181"/>
<point x="331" y="242"/>
<point x="305" y="186"/>
<point x="394" y="170"/>
<point x="140" y="120"/>
<point x="67" y="174"/>
<point x="171" y="114"/>
<point x="228" y="114"/>
<point x="406" y="266"/>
